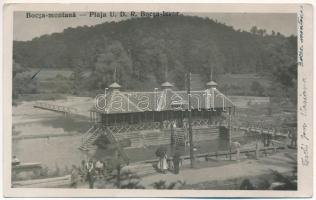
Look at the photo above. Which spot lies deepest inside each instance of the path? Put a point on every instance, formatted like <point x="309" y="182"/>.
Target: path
<point x="223" y="170"/>
<point x="245" y="168"/>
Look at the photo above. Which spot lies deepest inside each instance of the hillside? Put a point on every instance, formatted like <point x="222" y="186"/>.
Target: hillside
<point x="147" y="50"/>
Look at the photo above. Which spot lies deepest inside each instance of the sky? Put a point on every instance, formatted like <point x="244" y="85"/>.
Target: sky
<point x="28" y="28"/>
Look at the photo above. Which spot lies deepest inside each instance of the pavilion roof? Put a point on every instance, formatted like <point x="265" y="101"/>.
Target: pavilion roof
<point x="163" y="100"/>
<point x="114" y="85"/>
<point x="166" y="84"/>
<point x="211" y="84"/>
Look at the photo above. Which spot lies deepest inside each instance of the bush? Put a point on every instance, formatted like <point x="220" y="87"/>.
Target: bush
<point x="257" y="88"/>
<point x="246" y="185"/>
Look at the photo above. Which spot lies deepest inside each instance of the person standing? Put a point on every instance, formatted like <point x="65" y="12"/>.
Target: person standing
<point x="164" y="163"/>
<point x="237" y="146"/>
<point x="99" y="167"/>
<point x="90" y="173"/>
<point x="176" y="163"/>
<point x="103" y="171"/>
<point x="83" y="171"/>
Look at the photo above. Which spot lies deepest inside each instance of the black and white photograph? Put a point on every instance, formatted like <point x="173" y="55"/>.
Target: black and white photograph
<point x="157" y="100"/>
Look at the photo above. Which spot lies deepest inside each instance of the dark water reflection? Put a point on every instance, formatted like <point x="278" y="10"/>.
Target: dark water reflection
<point x="78" y="124"/>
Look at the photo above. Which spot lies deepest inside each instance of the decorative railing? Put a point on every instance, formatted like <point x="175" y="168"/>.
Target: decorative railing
<point x="201" y="122"/>
<point x="121" y="128"/>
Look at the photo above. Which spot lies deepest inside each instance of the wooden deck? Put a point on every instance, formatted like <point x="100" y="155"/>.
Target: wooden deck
<point x="43" y="183"/>
<point x="26" y="167"/>
<point x="43" y="135"/>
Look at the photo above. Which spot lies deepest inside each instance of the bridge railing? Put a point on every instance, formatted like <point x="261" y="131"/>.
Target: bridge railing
<point x="218" y="154"/>
<point x="57" y="108"/>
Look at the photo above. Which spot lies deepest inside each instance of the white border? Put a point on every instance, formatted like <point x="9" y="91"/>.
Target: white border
<point x="306" y="175"/>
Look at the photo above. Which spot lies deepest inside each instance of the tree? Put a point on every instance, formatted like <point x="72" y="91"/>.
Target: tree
<point x="286" y="79"/>
<point x="257" y="88"/>
<point x="23" y="84"/>
<point x="177" y="74"/>
<point x="77" y="80"/>
<point x="246" y="185"/>
<point x="113" y="59"/>
<point x="254" y="30"/>
<point x="16" y="69"/>
<point x="144" y="49"/>
<point x="122" y="179"/>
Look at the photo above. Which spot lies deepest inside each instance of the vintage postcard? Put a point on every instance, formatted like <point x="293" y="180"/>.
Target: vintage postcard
<point x="158" y="100"/>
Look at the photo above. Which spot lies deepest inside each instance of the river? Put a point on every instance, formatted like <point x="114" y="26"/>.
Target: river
<point x="53" y="151"/>
<point x="63" y="151"/>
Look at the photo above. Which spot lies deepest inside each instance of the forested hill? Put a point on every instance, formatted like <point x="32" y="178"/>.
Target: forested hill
<point x="144" y="49"/>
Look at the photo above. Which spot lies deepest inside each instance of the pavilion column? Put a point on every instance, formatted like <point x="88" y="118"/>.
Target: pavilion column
<point x="160" y="119"/>
<point x="210" y="117"/>
<point x="131" y="119"/>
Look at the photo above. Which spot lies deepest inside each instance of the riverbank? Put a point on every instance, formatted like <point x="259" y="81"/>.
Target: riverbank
<point x="206" y="175"/>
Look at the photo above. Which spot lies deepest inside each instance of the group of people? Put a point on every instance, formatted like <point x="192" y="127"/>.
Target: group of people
<point x="164" y="164"/>
<point x="88" y="172"/>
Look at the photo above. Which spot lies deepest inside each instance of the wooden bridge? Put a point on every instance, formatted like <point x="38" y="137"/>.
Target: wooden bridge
<point x="56" y="108"/>
<point x="257" y="131"/>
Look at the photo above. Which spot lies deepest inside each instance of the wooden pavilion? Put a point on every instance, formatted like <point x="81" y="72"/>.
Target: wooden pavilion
<point x="119" y="115"/>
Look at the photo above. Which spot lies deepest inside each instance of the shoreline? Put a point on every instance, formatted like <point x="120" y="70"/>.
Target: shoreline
<point x="48" y="135"/>
<point x="207" y="175"/>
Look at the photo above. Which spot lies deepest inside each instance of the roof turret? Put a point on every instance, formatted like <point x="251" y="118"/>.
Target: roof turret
<point x="166" y="85"/>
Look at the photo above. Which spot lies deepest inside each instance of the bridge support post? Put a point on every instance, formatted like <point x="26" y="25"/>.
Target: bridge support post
<point x="190" y="120"/>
